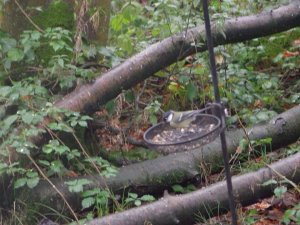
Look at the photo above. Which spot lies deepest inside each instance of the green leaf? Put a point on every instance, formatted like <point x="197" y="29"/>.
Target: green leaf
<point x="5" y="91"/>
<point x="90" y="193"/>
<point x="27" y="117"/>
<point x="31" y="183"/>
<point x="10" y="120"/>
<point x="35" y="35"/>
<point x="137" y="202"/>
<point x="178" y="188"/>
<point x="73" y="123"/>
<point x="243" y="145"/>
<point x="183" y="79"/>
<point x="82" y="123"/>
<point x="77" y="185"/>
<point x="153" y="119"/>
<point x="132" y="195"/>
<point x="269" y="182"/>
<point x="279" y="191"/>
<point x="61" y="149"/>
<point x="7" y="64"/>
<point x="263" y="116"/>
<point x="20" y="182"/>
<point x="56" y="166"/>
<point x="23" y="150"/>
<point x="15" y="54"/>
<point x="147" y="198"/>
<point x="61" y="63"/>
<point x="60" y="127"/>
<point x="191" y="91"/>
<point x="87" y="202"/>
<point x="44" y="162"/>
<point x="51" y="146"/>
<point x="31" y="174"/>
<point x="56" y="46"/>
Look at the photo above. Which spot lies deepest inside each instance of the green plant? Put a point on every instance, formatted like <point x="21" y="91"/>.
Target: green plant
<point x="133" y="199"/>
<point x="250" y="217"/>
<point x="152" y="110"/>
<point x="292" y="215"/>
<point x="180" y="189"/>
<point x="97" y="198"/>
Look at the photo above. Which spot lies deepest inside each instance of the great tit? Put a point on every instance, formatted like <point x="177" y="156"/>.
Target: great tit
<point x="180" y="119"/>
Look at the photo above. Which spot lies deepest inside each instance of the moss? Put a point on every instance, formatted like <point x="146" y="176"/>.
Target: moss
<point x="174" y="177"/>
<point x="57" y="14"/>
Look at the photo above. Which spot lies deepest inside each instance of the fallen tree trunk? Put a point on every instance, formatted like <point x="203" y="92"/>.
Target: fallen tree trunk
<point x="204" y="203"/>
<point x="158" y="174"/>
<point x="88" y="97"/>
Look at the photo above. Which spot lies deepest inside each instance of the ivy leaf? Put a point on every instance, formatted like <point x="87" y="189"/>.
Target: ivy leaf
<point x="15" y="54"/>
<point x="27" y="117"/>
<point x="5" y="91"/>
<point x="267" y="85"/>
<point x="10" y="120"/>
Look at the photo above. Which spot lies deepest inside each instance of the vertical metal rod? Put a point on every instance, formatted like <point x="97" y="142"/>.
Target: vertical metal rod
<point x="222" y="114"/>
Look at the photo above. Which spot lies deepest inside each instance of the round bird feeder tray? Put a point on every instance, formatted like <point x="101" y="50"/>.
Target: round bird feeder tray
<point x="167" y="139"/>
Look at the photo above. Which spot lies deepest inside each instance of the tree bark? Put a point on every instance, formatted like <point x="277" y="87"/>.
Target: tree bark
<point x="205" y="203"/>
<point x="154" y="176"/>
<point x="88" y="97"/>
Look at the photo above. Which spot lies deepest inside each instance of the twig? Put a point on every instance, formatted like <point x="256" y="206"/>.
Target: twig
<point x="246" y="134"/>
<point x="55" y="188"/>
<point x="284" y="178"/>
<point x="30" y="20"/>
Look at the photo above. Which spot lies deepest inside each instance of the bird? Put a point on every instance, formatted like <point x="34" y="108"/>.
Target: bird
<point x="181" y="119"/>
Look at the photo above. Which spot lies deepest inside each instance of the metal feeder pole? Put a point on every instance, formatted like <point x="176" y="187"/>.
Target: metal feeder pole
<point x="210" y="48"/>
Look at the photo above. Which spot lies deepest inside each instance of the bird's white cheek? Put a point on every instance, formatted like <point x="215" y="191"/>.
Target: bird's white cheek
<point x="170" y="117"/>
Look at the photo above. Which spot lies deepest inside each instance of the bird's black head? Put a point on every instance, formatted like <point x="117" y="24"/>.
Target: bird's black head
<point x="167" y="117"/>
